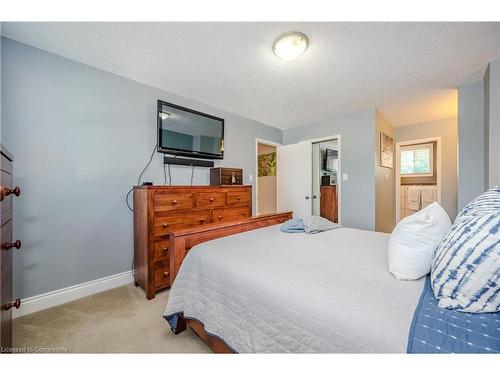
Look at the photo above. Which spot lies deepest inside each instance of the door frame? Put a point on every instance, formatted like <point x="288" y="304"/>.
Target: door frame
<point x="339" y="172"/>
<point x="267" y="143"/>
<point x="397" y="179"/>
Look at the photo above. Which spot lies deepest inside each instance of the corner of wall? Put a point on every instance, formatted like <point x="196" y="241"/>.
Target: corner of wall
<point x="0" y="82"/>
<point x="470" y="138"/>
<point x="492" y="124"/>
<point x="486" y="110"/>
<point x="384" y="178"/>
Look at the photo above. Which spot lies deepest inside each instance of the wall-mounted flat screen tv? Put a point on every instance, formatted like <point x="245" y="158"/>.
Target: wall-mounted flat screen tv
<point x="186" y="132"/>
<point x="330" y="162"/>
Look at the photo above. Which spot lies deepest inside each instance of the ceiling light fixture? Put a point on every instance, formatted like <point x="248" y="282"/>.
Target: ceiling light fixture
<point x="290" y="46"/>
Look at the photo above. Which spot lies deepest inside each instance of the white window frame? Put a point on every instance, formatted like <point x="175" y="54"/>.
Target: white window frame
<point x="429" y="146"/>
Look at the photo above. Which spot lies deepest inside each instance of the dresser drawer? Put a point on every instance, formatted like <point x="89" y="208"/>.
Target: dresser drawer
<point x="171" y="202"/>
<point x="238" y="198"/>
<point x="162" y="273"/>
<point x="210" y="200"/>
<point x="165" y="224"/>
<point x="161" y="249"/>
<point x="230" y="214"/>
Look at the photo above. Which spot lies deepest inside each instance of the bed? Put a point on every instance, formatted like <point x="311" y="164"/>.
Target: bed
<point x="265" y="291"/>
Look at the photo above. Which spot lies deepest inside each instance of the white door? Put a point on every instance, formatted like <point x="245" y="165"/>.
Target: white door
<point x="316" y="178"/>
<point x="294" y="178"/>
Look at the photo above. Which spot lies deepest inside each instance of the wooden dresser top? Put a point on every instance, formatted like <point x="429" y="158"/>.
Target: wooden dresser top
<point x="194" y="187"/>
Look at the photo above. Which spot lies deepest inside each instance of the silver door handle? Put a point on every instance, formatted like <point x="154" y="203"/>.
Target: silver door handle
<point x="307" y="196"/>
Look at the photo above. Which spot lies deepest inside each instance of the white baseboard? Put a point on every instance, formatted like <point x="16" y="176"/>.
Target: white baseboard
<point x="71" y="293"/>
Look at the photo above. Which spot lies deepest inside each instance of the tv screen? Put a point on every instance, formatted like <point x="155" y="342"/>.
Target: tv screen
<point x="183" y="131"/>
<point x="330" y="162"/>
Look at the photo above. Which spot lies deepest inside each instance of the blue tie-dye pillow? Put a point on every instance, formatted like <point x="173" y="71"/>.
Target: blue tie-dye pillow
<point x="465" y="272"/>
<point x="487" y="202"/>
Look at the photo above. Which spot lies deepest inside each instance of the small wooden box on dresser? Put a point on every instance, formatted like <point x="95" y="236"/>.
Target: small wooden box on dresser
<point x="7" y="246"/>
<point x="158" y="210"/>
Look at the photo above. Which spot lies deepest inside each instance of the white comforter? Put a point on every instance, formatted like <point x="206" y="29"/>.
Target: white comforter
<point x="268" y="291"/>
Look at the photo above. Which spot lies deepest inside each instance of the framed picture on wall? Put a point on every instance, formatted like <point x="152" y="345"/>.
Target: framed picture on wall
<point x="386" y="150"/>
<point x="267" y="164"/>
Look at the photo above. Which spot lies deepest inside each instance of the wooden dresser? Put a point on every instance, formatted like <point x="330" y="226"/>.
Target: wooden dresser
<point x="329" y="203"/>
<point x="7" y="192"/>
<point x="158" y="210"/>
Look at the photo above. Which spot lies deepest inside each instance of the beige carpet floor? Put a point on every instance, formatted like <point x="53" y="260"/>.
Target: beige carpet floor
<point x="120" y="320"/>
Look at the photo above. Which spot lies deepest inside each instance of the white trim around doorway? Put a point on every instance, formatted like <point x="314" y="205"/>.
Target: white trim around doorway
<point x="397" y="179"/>
<point x="267" y="143"/>
<point x="339" y="172"/>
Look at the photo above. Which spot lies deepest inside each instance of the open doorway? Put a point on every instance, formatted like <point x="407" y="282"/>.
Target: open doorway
<point x="266" y="169"/>
<point x="325" y="167"/>
<point x="307" y="178"/>
<point x="418" y="175"/>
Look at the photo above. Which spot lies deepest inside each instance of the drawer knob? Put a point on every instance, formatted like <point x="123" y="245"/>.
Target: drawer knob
<point x="211" y="199"/>
<point x="5" y="192"/>
<point x="220" y="217"/>
<point x="9" y="245"/>
<point x="174" y="201"/>
<point x="202" y="221"/>
<point x="10" y="305"/>
<point x="165" y="225"/>
<point x="239" y="198"/>
<point x="165" y="273"/>
<point x="165" y="249"/>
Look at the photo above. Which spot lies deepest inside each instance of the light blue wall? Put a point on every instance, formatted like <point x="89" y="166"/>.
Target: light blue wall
<point x="470" y="142"/>
<point x="479" y="135"/>
<point x="0" y="82"/>
<point x="493" y="131"/>
<point x="80" y="137"/>
<point x="357" y="133"/>
<point x="486" y="132"/>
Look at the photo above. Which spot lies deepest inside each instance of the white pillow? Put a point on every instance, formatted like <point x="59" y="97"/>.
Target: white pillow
<point x="414" y="240"/>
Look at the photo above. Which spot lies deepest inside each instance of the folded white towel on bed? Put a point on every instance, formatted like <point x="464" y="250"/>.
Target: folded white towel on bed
<point x="315" y="224"/>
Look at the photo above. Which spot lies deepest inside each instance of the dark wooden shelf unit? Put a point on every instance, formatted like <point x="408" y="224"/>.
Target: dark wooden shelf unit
<point x="328" y="202"/>
<point x="7" y="195"/>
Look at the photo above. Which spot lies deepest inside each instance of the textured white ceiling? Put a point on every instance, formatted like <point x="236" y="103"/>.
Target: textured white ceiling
<point x="410" y="71"/>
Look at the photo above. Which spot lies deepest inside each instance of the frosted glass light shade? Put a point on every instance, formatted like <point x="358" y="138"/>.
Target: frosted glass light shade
<point x="290" y="46"/>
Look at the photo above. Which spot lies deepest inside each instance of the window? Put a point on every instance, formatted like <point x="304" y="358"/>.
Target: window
<point x="417" y="160"/>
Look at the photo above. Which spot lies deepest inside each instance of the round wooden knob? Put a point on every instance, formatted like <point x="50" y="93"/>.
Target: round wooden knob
<point x="174" y="201"/>
<point x="16" y="304"/>
<point x="16" y="191"/>
<point x="165" y="249"/>
<point x="239" y="198"/>
<point x="211" y="199"/>
<point x="165" y="225"/>
<point x="4" y="192"/>
<point x="17" y="244"/>
<point x="220" y="217"/>
<point x="165" y="273"/>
